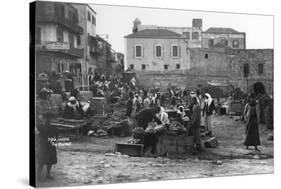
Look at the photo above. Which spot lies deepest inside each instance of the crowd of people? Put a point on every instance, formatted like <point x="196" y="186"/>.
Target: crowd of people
<point x="149" y="105"/>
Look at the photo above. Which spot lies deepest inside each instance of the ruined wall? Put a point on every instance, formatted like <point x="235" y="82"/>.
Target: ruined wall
<point x="218" y="39"/>
<point x="253" y="57"/>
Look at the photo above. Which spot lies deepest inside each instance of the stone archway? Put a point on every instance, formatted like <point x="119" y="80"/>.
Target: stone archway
<point x="259" y="88"/>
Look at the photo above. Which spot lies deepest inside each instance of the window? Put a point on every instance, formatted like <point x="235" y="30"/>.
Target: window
<point x="187" y="34"/>
<point x="166" y="67"/>
<point x="246" y="70"/>
<point x="260" y="68"/>
<point x="138" y="51"/>
<point x="195" y="35"/>
<point x="175" y="51"/>
<point x="78" y="40"/>
<point x="178" y="66"/>
<point x="59" y="34"/>
<point x="38" y="35"/>
<point x="131" y="66"/>
<point x="93" y="20"/>
<point x="143" y="66"/>
<point x="224" y="42"/>
<point x="158" y="50"/>
<point x="89" y="16"/>
<point x="235" y="43"/>
<point x="206" y="56"/>
<point x="211" y="43"/>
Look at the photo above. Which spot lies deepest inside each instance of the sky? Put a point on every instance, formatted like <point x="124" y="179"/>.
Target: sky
<point x="117" y="22"/>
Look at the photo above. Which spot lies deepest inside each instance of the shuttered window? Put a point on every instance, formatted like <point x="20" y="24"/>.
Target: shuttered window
<point x="158" y="50"/>
<point x="175" y="51"/>
<point x="260" y="68"/>
<point x="139" y="51"/>
<point x="89" y="16"/>
<point x="246" y="70"/>
<point x="195" y="35"/>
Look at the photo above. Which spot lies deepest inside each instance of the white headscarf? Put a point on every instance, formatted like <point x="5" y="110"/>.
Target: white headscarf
<point x="209" y="98"/>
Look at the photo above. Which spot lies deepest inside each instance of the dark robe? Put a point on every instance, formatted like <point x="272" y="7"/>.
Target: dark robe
<point x="195" y="124"/>
<point x="144" y="116"/>
<point x="208" y="109"/>
<point x="46" y="152"/>
<point x="252" y="122"/>
<point x="129" y="108"/>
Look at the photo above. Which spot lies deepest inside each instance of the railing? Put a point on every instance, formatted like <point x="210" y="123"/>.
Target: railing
<point x="76" y="52"/>
<point x="59" y="20"/>
<point x="77" y="82"/>
<point x="62" y="47"/>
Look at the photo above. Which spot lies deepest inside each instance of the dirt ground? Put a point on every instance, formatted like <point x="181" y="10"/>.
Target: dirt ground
<point x="90" y="160"/>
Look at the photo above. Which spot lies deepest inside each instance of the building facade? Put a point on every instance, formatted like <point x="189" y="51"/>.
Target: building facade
<point x="187" y="57"/>
<point x="223" y="38"/>
<point x="156" y="50"/>
<point x="57" y="40"/>
<point x="87" y="20"/>
<point x="249" y="66"/>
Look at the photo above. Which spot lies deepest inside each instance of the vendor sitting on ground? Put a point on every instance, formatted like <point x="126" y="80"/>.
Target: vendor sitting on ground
<point x="181" y="114"/>
<point x="73" y="109"/>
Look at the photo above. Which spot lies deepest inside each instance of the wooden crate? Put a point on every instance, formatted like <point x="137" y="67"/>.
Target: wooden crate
<point x="179" y="144"/>
<point x="129" y="149"/>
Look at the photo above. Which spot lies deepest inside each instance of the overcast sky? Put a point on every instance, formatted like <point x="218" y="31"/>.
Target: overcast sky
<point x="116" y="22"/>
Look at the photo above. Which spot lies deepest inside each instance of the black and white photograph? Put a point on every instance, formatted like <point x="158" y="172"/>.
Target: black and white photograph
<point x="128" y="94"/>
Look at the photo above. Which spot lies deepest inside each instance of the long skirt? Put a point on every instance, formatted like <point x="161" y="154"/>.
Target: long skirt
<point x="208" y="121"/>
<point x="196" y="134"/>
<point x="252" y="133"/>
<point x="46" y="152"/>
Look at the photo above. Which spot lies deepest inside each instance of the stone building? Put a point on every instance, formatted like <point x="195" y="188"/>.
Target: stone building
<point x="222" y="38"/>
<point x="249" y="66"/>
<point x="58" y="35"/>
<point x="188" y="56"/>
<point x="156" y="50"/>
<point x="87" y="20"/>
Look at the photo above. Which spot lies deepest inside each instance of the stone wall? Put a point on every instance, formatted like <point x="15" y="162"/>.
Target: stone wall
<point x="253" y="57"/>
<point x="203" y="68"/>
<point x="219" y="65"/>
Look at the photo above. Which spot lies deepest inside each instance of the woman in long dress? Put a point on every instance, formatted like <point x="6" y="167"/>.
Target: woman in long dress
<point x="208" y="109"/>
<point x="252" y="117"/>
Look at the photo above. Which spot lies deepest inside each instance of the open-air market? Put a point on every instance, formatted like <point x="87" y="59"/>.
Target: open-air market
<point x="179" y="102"/>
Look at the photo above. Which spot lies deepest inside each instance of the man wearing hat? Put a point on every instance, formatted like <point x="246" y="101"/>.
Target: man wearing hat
<point x="73" y="110"/>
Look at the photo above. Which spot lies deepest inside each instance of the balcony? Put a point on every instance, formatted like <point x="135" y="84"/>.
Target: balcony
<point x="50" y="12"/>
<point x="61" y="21"/>
<point x="60" y="47"/>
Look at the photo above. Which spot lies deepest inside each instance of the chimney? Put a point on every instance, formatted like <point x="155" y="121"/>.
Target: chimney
<point x="135" y="26"/>
<point x="197" y="23"/>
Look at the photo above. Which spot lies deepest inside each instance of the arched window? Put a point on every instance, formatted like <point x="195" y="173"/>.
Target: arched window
<point x="235" y="43"/>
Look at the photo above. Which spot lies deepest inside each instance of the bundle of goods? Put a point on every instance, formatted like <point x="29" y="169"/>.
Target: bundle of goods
<point x="176" y="127"/>
<point x="138" y="133"/>
<point x="151" y="127"/>
<point x="108" y="121"/>
<point x="134" y="141"/>
<point x="97" y="133"/>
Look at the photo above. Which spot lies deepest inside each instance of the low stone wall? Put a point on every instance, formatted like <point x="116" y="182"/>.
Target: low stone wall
<point x="181" y="79"/>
